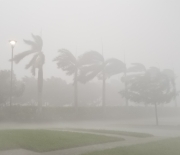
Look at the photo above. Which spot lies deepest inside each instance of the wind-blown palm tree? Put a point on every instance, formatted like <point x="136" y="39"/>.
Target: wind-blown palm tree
<point x="69" y="63"/>
<point x="36" y="62"/>
<point x="93" y="64"/>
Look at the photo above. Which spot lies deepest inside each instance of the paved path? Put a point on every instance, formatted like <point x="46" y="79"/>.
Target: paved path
<point x="84" y="149"/>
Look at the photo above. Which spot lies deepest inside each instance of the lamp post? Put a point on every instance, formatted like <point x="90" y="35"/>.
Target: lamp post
<point x="12" y="43"/>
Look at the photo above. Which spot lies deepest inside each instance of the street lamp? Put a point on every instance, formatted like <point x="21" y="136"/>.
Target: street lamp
<point x="12" y="43"/>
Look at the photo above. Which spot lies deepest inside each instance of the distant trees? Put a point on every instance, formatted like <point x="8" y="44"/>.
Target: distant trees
<point x="18" y="87"/>
<point x="69" y="63"/>
<point x="57" y="92"/>
<point x="93" y="64"/>
<point x="151" y="87"/>
<point x="29" y="96"/>
<point x="36" y="62"/>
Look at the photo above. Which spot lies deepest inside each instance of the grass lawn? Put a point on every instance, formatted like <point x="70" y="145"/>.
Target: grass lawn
<point x="46" y="140"/>
<point x="163" y="147"/>
<point x="123" y="133"/>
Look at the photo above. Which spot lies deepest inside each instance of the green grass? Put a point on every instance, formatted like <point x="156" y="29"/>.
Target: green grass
<point x="123" y="133"/>
<point x="163" y="147"/>
<point x="46" y="140"/>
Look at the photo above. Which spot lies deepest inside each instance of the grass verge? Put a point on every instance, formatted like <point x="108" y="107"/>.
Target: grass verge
<point x="162" y="147"/>
<point x="46" y="140"/>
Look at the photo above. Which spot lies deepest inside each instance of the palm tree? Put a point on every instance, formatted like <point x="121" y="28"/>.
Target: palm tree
<point x="36" y="62"/>
<point x="93" y="64"/>
<point x="69" y="63"/>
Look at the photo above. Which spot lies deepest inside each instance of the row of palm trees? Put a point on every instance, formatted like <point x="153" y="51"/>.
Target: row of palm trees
<point x="87" y="66"/>
<point x="84" y="68"/>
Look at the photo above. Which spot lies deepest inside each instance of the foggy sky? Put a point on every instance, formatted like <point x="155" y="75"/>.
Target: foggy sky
<point x="147" y="31"/>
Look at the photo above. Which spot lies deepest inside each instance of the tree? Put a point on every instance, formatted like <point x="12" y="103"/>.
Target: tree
<point x="36" y="62"/>
<point x="151" y="87"/>
<point x="93" y="64"/>
<point x="69" y="63"/>
<point x="136" y="68"/>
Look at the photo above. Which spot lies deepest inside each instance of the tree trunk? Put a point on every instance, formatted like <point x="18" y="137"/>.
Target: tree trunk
<point x="104" y="89"/>
<point x="40" y="87"/>
<point x="156" y="113"/>
<point x="75" y="90"/>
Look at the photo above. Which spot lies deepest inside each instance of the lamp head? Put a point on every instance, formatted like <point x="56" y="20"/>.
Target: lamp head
<point x="12" y="42"/>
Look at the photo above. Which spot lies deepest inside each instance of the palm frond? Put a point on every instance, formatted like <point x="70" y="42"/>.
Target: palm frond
<point x="66" y="61"/>
<point x="137" y="67"/>
<point x="17" y="58"/>
<point x="114" y="66"/>
<point x="87" y="73"/>
<point x="37" y="44"/>
<point x="33" y="60"/>
<point x="29" y="42"/>
<point x="90" y="57"/>
<point x="36" y="47"/>
<point x="36" y="62"/>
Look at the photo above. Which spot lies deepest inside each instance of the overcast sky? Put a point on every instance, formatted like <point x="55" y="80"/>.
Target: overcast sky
<point x="148" y="31"/>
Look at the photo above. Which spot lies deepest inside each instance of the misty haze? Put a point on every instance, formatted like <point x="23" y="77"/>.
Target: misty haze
<point x="89" y="77"/>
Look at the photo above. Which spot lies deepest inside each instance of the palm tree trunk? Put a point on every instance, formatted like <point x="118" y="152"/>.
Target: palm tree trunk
<point x="40" y="87"/>
<point x="104" y="90"/>
<point x="75" y="90"/>
<point x="156" y="113"/>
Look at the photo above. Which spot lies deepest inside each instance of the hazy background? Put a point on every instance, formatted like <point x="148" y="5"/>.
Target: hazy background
<point x="147" y="31"/>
